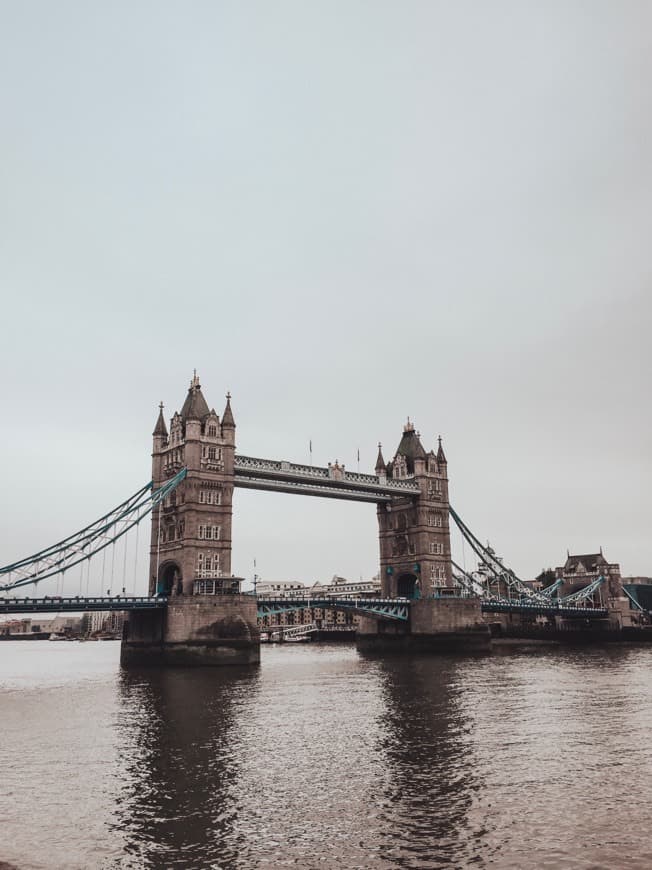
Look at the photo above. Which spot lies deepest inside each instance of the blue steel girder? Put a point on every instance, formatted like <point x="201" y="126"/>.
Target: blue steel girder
<point x="56" y="604"/>
<point x="377" y="608"/>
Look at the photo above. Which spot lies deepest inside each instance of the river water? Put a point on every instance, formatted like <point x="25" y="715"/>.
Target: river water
<point x="322" y="758"/>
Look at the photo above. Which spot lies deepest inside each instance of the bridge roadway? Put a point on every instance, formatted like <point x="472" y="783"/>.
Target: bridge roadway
<point x="55" y="604"/>
<point x="380" y="608"/>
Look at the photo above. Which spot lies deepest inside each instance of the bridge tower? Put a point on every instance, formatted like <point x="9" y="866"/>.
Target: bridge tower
<point x="191" y="530"/>
<point x="206" y="620"/>
<point x="415" y="552"/>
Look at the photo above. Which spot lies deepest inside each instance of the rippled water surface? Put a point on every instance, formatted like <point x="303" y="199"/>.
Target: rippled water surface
<point x="322" y="758"/>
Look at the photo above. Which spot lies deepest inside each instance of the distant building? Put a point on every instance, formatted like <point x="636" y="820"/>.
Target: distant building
<point x="325" y="617"/>
<point x="341" y="587"/>
<point x="17" y="626"/>
<point x="281" y="589"/>
<point x="106" y="622"/>
<point x="579" y="571"/>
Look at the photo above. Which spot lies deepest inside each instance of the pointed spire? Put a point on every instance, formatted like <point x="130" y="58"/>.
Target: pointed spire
<point x="441" y="456"/>
<point x="160" y="428"/>
<point x="195" y="407"/>
<point x="410" y="447"/>
<point x="227" y="416"/>
<point x="380" y="462"/>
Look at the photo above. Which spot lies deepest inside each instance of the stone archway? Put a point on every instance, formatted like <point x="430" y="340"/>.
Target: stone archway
<point x="407" y="586"/>
<point x="169" y="579"/>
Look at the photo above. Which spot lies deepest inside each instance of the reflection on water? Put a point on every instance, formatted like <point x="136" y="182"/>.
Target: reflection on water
<point x="324" y="759"/>
<point x="177" y="805"/>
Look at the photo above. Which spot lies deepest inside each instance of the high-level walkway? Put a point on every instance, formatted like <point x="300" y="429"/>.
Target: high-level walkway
<point x="331" y="482"/>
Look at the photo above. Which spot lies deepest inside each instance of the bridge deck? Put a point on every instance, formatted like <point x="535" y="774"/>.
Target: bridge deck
<point x="53" y="604"/>
<point x="382" y="608"/>
<point x="398" y="608"/>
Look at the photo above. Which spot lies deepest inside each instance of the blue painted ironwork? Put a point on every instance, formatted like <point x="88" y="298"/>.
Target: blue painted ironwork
<point x="465" y="581"/>
<point x="493" y="563"/>
<point x="582" y="594"/>
<point x="548" y="591"/>
<point x="56" y="604"/>
<point x="92" y="539"/>
<point x="379" y="608"/>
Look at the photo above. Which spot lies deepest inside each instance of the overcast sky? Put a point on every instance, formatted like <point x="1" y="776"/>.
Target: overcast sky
<point x="345" y="213"/>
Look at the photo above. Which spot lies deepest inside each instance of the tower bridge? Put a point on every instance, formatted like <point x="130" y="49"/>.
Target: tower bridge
<point x="195" y="612"/>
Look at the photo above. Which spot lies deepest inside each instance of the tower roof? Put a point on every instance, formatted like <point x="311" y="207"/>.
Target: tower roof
<point x="380" y="462"/>
<point x="160" y="428"/>
<point x="590" y="561"/>
<point x="195" y="407"/>
<point x="227" y="416"/>
<point x="411" y="446"/>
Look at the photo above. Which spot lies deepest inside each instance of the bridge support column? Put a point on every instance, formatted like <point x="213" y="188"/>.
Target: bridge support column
<point x="435" y="625"/>
<point x="194" y="631"/>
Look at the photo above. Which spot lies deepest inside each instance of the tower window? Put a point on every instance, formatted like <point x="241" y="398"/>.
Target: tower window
<point x="212" y="431"/>
<point x="210" y="496"/>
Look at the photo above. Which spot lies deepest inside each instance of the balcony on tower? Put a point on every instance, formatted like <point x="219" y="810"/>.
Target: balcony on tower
<point x="217" y="586"/>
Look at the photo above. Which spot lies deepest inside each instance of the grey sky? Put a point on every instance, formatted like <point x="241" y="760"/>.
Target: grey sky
<point x="344" y="213"/>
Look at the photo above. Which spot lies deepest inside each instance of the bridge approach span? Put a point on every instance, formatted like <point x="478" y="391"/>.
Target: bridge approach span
<point x="55" y="604"/>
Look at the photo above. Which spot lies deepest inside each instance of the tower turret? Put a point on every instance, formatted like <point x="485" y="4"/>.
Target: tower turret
<point x="160" y="430"/>
<point x="381" y="468"/>
<point x="228" y="423"/>
<point x="227" y="417"/>
<point x="160" y="436"/>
